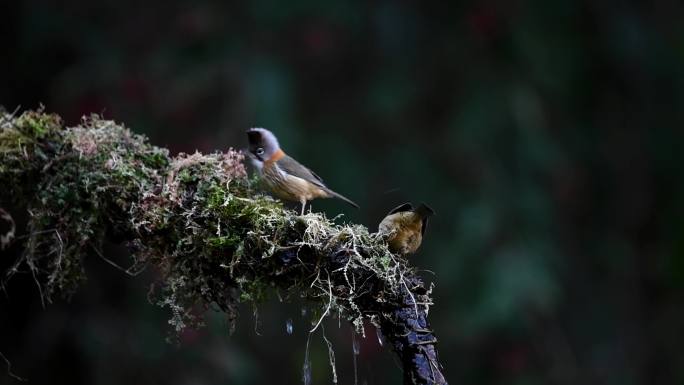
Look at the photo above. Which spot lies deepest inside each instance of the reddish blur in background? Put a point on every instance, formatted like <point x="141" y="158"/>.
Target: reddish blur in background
<point x="546" y="135"/>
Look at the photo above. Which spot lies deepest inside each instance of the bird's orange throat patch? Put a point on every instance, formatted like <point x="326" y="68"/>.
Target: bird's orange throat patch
<point x="274" y="158"/>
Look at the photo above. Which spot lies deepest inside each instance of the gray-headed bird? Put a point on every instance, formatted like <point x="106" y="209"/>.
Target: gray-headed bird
<point x="405" y="227"/>
<point x="283" y="176"/>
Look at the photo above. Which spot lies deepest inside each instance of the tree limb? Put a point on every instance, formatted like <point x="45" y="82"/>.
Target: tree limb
<point x="199" y="220"/>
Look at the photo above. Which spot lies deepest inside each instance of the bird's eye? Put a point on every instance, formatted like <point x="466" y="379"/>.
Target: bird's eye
<point x="260" y="151"/>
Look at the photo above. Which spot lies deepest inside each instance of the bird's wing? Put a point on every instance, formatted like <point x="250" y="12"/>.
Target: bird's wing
<point x="425" y="212"/>
<point x="401" y="208"/>
<point x="292" y="167"/>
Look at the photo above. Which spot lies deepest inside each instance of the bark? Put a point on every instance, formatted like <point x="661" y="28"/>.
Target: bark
<point x="205" y="226"/>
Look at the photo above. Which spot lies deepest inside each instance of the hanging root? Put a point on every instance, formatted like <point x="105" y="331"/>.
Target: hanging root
<point x="199" y="220"/>
<point x="9" y="369"/>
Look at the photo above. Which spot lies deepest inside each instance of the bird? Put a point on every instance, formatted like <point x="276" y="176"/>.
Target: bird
<point x="282" y="175"/>
<point x="405" y="227"/>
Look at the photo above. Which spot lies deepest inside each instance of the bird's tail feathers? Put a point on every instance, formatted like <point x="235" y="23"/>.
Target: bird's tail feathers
<point x="424" y="210"/>
<point x="336" y="195"/>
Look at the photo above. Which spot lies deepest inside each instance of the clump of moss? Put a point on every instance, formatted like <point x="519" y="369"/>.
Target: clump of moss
<point x="26" y="144"/>
<point x="198" y="218"/>
<point x="77" y="184"/>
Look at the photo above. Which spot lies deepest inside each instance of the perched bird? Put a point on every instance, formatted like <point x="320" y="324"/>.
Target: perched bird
<point x="405" y="227"/>
<point x="283" y="176"/>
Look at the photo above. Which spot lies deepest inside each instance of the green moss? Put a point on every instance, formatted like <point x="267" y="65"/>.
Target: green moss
<point x="254" y="290"/>
<point x="155" y="160"/>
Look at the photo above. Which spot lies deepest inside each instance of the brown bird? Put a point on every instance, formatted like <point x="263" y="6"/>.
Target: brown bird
<point x="405" y="227"/>
<point x="283" y="176"/>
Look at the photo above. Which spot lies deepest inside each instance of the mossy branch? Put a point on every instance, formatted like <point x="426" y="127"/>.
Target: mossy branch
<point x="198" y="220"/>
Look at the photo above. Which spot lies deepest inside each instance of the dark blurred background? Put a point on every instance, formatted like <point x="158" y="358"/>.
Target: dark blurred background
<point x="546" y="135"/>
